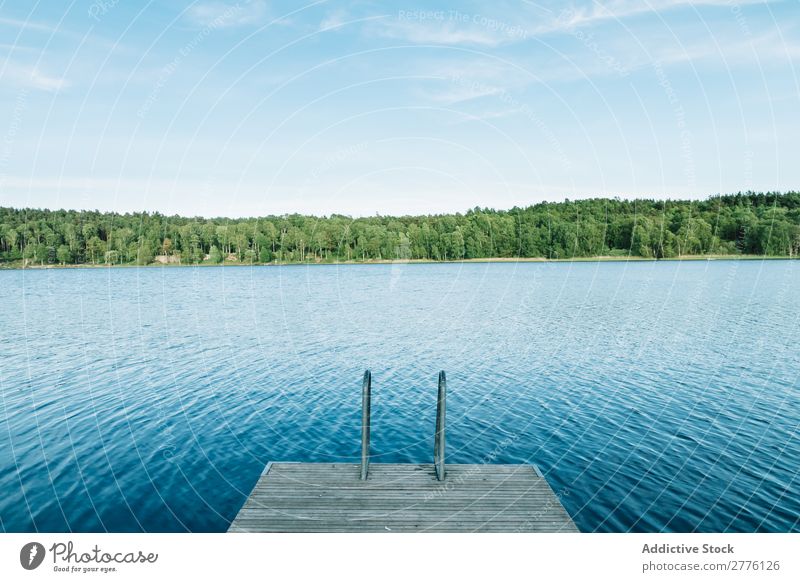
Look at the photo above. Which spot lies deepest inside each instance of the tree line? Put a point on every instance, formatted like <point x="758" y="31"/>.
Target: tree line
<point x="744" y="223"/>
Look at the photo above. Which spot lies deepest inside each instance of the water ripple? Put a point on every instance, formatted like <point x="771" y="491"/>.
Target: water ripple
<point x="654" y="396"/>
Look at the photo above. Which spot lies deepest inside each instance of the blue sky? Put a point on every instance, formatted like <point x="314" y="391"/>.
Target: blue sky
<point x="264" y="107"/>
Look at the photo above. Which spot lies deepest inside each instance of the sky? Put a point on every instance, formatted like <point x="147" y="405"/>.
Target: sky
<point x="259" y="107"/>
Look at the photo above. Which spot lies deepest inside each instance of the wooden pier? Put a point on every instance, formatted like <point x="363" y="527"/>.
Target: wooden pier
<point x="383" y="497"/>
<point x="324" y="497"/>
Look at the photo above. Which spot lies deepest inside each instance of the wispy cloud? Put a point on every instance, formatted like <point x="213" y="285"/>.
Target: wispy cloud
<point x="460" y="93"/>
<point x="729" y="49"/>
<point x="525" y="22"/>
<point x="18" y="48"/>
<point x="53" y="30"/>
<point x="452" y="27"/>
<point x="227" y="15"/>
<point x="27" y="25"/>
<point x="333" y="19"/>
<point x="487" y="115"/>
<point x="595" y="12"/>
<point x="445" y="30"/>
<point x="457" y="80"/>
<point x="17" y="75"/>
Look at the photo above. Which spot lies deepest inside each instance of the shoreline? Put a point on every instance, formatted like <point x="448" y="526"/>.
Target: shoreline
<point x="593" y="259"/>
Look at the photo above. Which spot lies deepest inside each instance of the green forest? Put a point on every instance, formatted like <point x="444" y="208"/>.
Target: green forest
<point x="766" y="224"/>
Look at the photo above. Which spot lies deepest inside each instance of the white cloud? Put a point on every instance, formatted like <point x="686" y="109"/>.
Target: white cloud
<point x="333" y="20"/>
<point x="441" y="31"/>
<point x="488" y="114"/>
<point x="728" y="49"/>
<point x="460" y="92"/>
<point x="18" y="48"/>
<point x="224" y="15"/>
<point x="618" y="9"/>
<point x="481" y="30"/>
<point x="457" y="80"/>
<point x="27" y="25"/>
<point x="17" y="75"/>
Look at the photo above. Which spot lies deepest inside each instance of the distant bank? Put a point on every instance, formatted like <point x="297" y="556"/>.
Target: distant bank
<point x="758" y="224"/>
<point x="599" y="258"/>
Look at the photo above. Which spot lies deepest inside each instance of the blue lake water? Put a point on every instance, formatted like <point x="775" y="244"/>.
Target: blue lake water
<point x="653" y="396"/>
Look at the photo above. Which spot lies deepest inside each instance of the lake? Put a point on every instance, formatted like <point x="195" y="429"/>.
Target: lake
<point x="654" y="396"/>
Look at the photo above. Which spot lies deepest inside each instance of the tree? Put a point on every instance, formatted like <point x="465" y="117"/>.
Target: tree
<point x="214" y="255"/>
<point x="145" y="253"/>
<point x="112" y="257"/>
<point x="64" y="254"/>
<point x="758" y="223"/>
<point x="95" y="248"/>
<point x="640" y="240"/>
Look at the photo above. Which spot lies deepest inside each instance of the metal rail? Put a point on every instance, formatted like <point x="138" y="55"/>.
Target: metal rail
<point x="439" y="436"/>
<point x="366" y="389"/>
<point x="438" y="442"/>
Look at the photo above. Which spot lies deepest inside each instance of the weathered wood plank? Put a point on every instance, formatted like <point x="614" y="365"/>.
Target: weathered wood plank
<point x="331" y="497"/>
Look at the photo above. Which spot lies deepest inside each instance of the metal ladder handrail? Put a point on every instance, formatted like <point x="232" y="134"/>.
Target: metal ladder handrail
<point x="438" y="437"/>
<point x="366" y="397"/>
